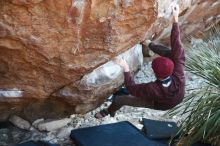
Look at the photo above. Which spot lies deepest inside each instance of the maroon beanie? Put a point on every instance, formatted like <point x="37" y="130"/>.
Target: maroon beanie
<point x="163" y="67"/>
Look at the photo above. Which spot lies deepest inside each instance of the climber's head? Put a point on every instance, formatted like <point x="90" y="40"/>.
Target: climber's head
<point x="162" y="67"/>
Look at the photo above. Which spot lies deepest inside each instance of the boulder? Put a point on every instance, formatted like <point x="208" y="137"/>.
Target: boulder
<point x="51" y="125"/>
<point x="64" y="132"/>
<point x="19" y="122"/>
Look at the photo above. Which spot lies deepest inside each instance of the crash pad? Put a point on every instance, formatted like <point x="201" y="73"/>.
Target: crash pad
<point x="116" y="134"/>
<point x="201" y="144"/>
<point x="159" y="129"/>
<point x="37" y="143"/>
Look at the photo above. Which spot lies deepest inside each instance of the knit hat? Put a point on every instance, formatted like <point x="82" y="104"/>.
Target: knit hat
<point x="162" y="67"/>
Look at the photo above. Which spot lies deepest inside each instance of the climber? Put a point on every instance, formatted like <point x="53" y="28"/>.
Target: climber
<point x="168" y="90"/>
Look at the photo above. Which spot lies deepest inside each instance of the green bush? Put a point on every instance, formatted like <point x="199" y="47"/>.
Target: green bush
<point x="201" y="108"/>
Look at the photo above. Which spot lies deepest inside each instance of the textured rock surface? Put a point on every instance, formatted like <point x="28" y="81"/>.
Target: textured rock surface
<point x="19" y="122"/>
<point x="53" y="125"/>
<point x="196" y="16"/>
<point x="101" y="82"/>
<point x="48" y="46"/>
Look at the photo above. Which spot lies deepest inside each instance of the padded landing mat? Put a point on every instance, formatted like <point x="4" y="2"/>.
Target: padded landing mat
<point x="159" y="129"/>
<point x="38" y="143"/>
<point x="201" y="144"/>
<point x="117" y="134"/>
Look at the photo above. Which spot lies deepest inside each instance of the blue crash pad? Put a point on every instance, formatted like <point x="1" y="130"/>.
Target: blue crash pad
<point x="162" y="131"/>
<point x="159" y="129"/>
<point x="201" y="144"/>
<point x="38" y="143"/>
<point x="116" y="134"/>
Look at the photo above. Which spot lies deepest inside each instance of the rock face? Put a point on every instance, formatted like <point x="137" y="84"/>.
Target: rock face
<point x="196" y="16"/>
<point x="19" y="122"/>
<point x="52" y="52"/>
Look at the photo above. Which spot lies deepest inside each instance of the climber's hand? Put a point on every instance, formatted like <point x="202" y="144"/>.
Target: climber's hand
<point x="175" y="11"/>
<point x="122" y="63"/>
<point x="146" y="42"/>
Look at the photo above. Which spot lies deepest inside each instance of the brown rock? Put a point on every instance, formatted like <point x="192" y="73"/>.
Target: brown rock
<point x="48" y="48"/>
<point x="48" y="45"/>
<point x="196" y="16"/>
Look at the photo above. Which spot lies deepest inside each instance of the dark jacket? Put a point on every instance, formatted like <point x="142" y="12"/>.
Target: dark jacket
<point x="163" y="98"/>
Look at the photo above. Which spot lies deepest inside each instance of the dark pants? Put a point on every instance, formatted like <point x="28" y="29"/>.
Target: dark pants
<point x="130" y="100"/>
<point x="160" y="50"/>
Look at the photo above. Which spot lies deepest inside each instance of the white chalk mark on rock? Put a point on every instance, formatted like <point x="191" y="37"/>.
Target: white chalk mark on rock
<point x="11" y="92"/>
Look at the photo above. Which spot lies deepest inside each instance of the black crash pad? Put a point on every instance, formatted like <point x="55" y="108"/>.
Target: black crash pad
<point x="159" y="129"/>
<point x="116" y="134"/>
<point x="37" y="143"/>
<point x="201" y="144"/>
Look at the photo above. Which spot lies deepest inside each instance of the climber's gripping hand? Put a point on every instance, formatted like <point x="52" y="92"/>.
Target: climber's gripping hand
<point x="175" y="11"/>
